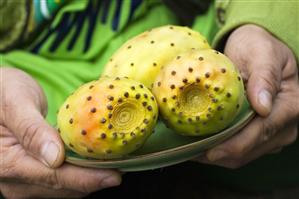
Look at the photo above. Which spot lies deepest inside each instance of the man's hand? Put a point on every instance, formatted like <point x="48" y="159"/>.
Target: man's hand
<point x="269" y="70"/>
<point x="31" y="151"/>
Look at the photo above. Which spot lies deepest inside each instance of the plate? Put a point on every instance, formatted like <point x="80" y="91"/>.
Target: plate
<point x="165" y="148"/>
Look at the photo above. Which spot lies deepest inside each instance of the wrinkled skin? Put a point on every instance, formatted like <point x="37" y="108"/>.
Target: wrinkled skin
<point x="270" y="70"/>
<point x="26" y="169"/>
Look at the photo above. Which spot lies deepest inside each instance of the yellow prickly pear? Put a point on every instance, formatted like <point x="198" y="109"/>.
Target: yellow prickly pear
<point x="142" y="57"/>
<point x="107" y="118"/>
<point x="199" y="92"/>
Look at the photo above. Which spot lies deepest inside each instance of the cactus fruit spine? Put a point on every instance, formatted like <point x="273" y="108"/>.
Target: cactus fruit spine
<point x="142" y="57"/>
<point x="199" y="92"/>
<point x="107" y="118"/>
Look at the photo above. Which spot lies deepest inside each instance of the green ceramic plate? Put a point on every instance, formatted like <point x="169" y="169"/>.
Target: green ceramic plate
<point x="165" y="148"/>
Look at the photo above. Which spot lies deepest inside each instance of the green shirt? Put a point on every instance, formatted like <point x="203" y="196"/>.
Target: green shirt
<point x="73" y="47"/>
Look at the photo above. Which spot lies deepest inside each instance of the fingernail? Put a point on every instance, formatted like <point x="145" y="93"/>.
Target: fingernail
<point x="216" y="155"/>
<point x="265" y="99"/>
<point x="110" y="181"/>
<point x="50" y="153"/>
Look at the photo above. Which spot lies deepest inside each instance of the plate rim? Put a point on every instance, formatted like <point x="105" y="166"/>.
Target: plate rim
<point x="171" y="151"/>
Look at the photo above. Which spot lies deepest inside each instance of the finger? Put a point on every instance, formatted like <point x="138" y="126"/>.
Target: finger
<point x="37" y="137"/>
<point x="258" y="131"/>
<point x="24" y="191"/>
<point x="239" y="144"/>
<point x="86" y="180"/>
<point x="264" y="79"/>
<point x="23" y="109"/>
<point x="262" y="65"/>
<point x="275" y="145"/>
<point x="283" y="138"/>
<point x="262" y="88"/>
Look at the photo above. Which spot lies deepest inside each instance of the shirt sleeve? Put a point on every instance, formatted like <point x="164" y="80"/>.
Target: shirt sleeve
<point x="281" y="18"/>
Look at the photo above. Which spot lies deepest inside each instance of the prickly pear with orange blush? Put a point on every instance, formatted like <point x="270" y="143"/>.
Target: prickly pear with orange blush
<point x="107" y="118"/>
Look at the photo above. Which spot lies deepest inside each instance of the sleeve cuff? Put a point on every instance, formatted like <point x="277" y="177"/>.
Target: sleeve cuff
<point x="280" y="19"/>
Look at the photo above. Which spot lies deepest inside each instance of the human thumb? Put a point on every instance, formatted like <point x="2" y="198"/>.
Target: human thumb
<point x="262" y="87"/>
<point x="24" y="111"/>
<point x="261" y="61"/>
<point x="36" y="136"/>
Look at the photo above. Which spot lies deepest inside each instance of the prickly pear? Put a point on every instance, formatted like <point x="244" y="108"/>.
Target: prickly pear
<point x="142" y="57"/>
<point x="107" y="118"/>
<point x="199" y="92"/>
